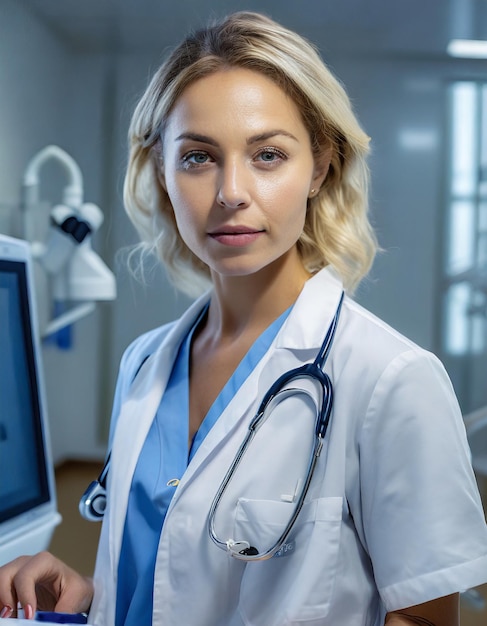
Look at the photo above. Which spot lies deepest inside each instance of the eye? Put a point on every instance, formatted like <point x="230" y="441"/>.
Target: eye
<point x="270" y="155"/>
<point x="195" y="158"/>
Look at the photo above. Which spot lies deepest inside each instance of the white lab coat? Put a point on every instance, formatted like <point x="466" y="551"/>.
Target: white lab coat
<point x="393" y="517"/>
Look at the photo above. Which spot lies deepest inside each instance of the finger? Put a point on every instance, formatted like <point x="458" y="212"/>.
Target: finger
<point x="6" y="612"/>
<point x="41" y="569"/>
<point x="25" y="612"/>
<point x="77" y="594"/>
<point x="8" y="596"/>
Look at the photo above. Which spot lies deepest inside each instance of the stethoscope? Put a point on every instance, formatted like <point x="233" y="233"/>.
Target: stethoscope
<point x="279" y="391"/>
<point x="92" y="504"/>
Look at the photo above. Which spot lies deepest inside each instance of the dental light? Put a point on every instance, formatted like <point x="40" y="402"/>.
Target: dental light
<point x="77" y="273"/>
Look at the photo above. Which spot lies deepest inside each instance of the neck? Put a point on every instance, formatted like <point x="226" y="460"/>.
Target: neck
<point x="255" y="301"/>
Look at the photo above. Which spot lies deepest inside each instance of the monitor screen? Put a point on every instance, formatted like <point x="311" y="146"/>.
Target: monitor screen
<point x="28" y="512"/>
<point x="24" y="482"/>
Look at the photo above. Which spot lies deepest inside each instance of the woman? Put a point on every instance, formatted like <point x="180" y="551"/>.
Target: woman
<point x="247" y="173"/>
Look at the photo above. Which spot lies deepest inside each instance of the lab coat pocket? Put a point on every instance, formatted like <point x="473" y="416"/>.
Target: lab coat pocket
<point x="295" y="588"/>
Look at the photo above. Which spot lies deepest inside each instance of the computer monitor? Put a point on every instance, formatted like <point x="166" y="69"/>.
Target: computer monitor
<point x="28" y="513"/>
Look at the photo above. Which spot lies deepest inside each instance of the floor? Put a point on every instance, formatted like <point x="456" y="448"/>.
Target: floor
<point x="75" y="540"/>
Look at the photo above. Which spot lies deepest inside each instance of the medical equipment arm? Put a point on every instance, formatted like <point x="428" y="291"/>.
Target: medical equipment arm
<point x="77" y="273"/>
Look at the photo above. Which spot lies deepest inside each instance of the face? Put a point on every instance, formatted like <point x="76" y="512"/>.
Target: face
<point x="239" y="169"/>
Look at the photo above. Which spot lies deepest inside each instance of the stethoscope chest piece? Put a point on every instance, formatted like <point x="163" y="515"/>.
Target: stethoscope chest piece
<point x="93" y="502"/>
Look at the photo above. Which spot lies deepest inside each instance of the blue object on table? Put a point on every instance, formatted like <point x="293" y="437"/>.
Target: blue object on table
<point x="61" y="618"/>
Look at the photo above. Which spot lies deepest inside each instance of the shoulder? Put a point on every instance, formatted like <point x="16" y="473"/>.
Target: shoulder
<point x="389" y="373"/>
<point x="361" y="322"/>
<point x="373" y="340"/>
<point x="406" y="387"/>
<point x="132" y="359"/>
<point x="153" y="340"/>
<point x="141" y="348"/>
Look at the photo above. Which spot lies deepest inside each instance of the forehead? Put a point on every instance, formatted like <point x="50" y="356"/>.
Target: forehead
<point x="234" y="98"/>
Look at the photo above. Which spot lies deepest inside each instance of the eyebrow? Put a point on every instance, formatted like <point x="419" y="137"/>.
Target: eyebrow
<point x="197" y="137"/>
<point x="269" y="134"/>
<point x="253" y="139"/>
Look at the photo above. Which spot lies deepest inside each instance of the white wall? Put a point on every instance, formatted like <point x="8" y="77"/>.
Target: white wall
<point x="49" y="95"/>
<point x="401" y="106"/>
<point x="33" y="94"/>
<point x="74" y="377"/>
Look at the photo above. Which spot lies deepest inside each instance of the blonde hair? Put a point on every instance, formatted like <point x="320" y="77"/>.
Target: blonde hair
<point x="337" y="230"/>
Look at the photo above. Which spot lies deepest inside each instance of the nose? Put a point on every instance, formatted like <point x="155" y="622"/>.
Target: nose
<point x="233" y="186"/>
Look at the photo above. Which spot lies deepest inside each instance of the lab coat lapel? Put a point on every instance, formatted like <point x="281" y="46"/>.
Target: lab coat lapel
<point x="137" y="414"/>
<point x="312" y="313"/>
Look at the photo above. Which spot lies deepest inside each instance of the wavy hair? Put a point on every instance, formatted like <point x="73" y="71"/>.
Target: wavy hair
<point x="337" y="230"/>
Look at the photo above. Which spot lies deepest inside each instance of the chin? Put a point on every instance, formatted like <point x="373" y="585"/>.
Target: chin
<point x="241" y="269"/>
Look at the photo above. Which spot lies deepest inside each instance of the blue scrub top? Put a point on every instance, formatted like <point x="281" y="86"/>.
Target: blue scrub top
<point x="164" y="457"/>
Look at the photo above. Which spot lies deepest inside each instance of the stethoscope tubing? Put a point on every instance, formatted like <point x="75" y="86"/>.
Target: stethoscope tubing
<point x="297" y="509"/>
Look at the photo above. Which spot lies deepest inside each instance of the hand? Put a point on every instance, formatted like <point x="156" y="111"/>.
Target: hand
<point x="43" y="582"/>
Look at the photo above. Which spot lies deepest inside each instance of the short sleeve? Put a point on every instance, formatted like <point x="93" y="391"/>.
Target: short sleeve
<point x="423" y="519"/>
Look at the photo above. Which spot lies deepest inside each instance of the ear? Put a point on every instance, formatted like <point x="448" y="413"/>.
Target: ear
<point x="321" y="167"/>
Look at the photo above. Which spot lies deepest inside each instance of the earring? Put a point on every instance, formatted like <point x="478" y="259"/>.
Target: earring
<point x="312" y="192"/>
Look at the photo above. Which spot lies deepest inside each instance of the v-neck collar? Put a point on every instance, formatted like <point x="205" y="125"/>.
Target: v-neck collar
<point x="235" y="381"/>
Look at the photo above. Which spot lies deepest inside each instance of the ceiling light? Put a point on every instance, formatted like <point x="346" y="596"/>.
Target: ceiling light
<point x="468" y="48"/>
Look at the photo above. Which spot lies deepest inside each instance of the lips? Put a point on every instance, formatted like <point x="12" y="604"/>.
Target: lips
<point x="235" y="235"/>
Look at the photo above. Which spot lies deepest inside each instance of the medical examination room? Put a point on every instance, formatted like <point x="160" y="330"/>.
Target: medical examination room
<point x="75" y="292"/>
